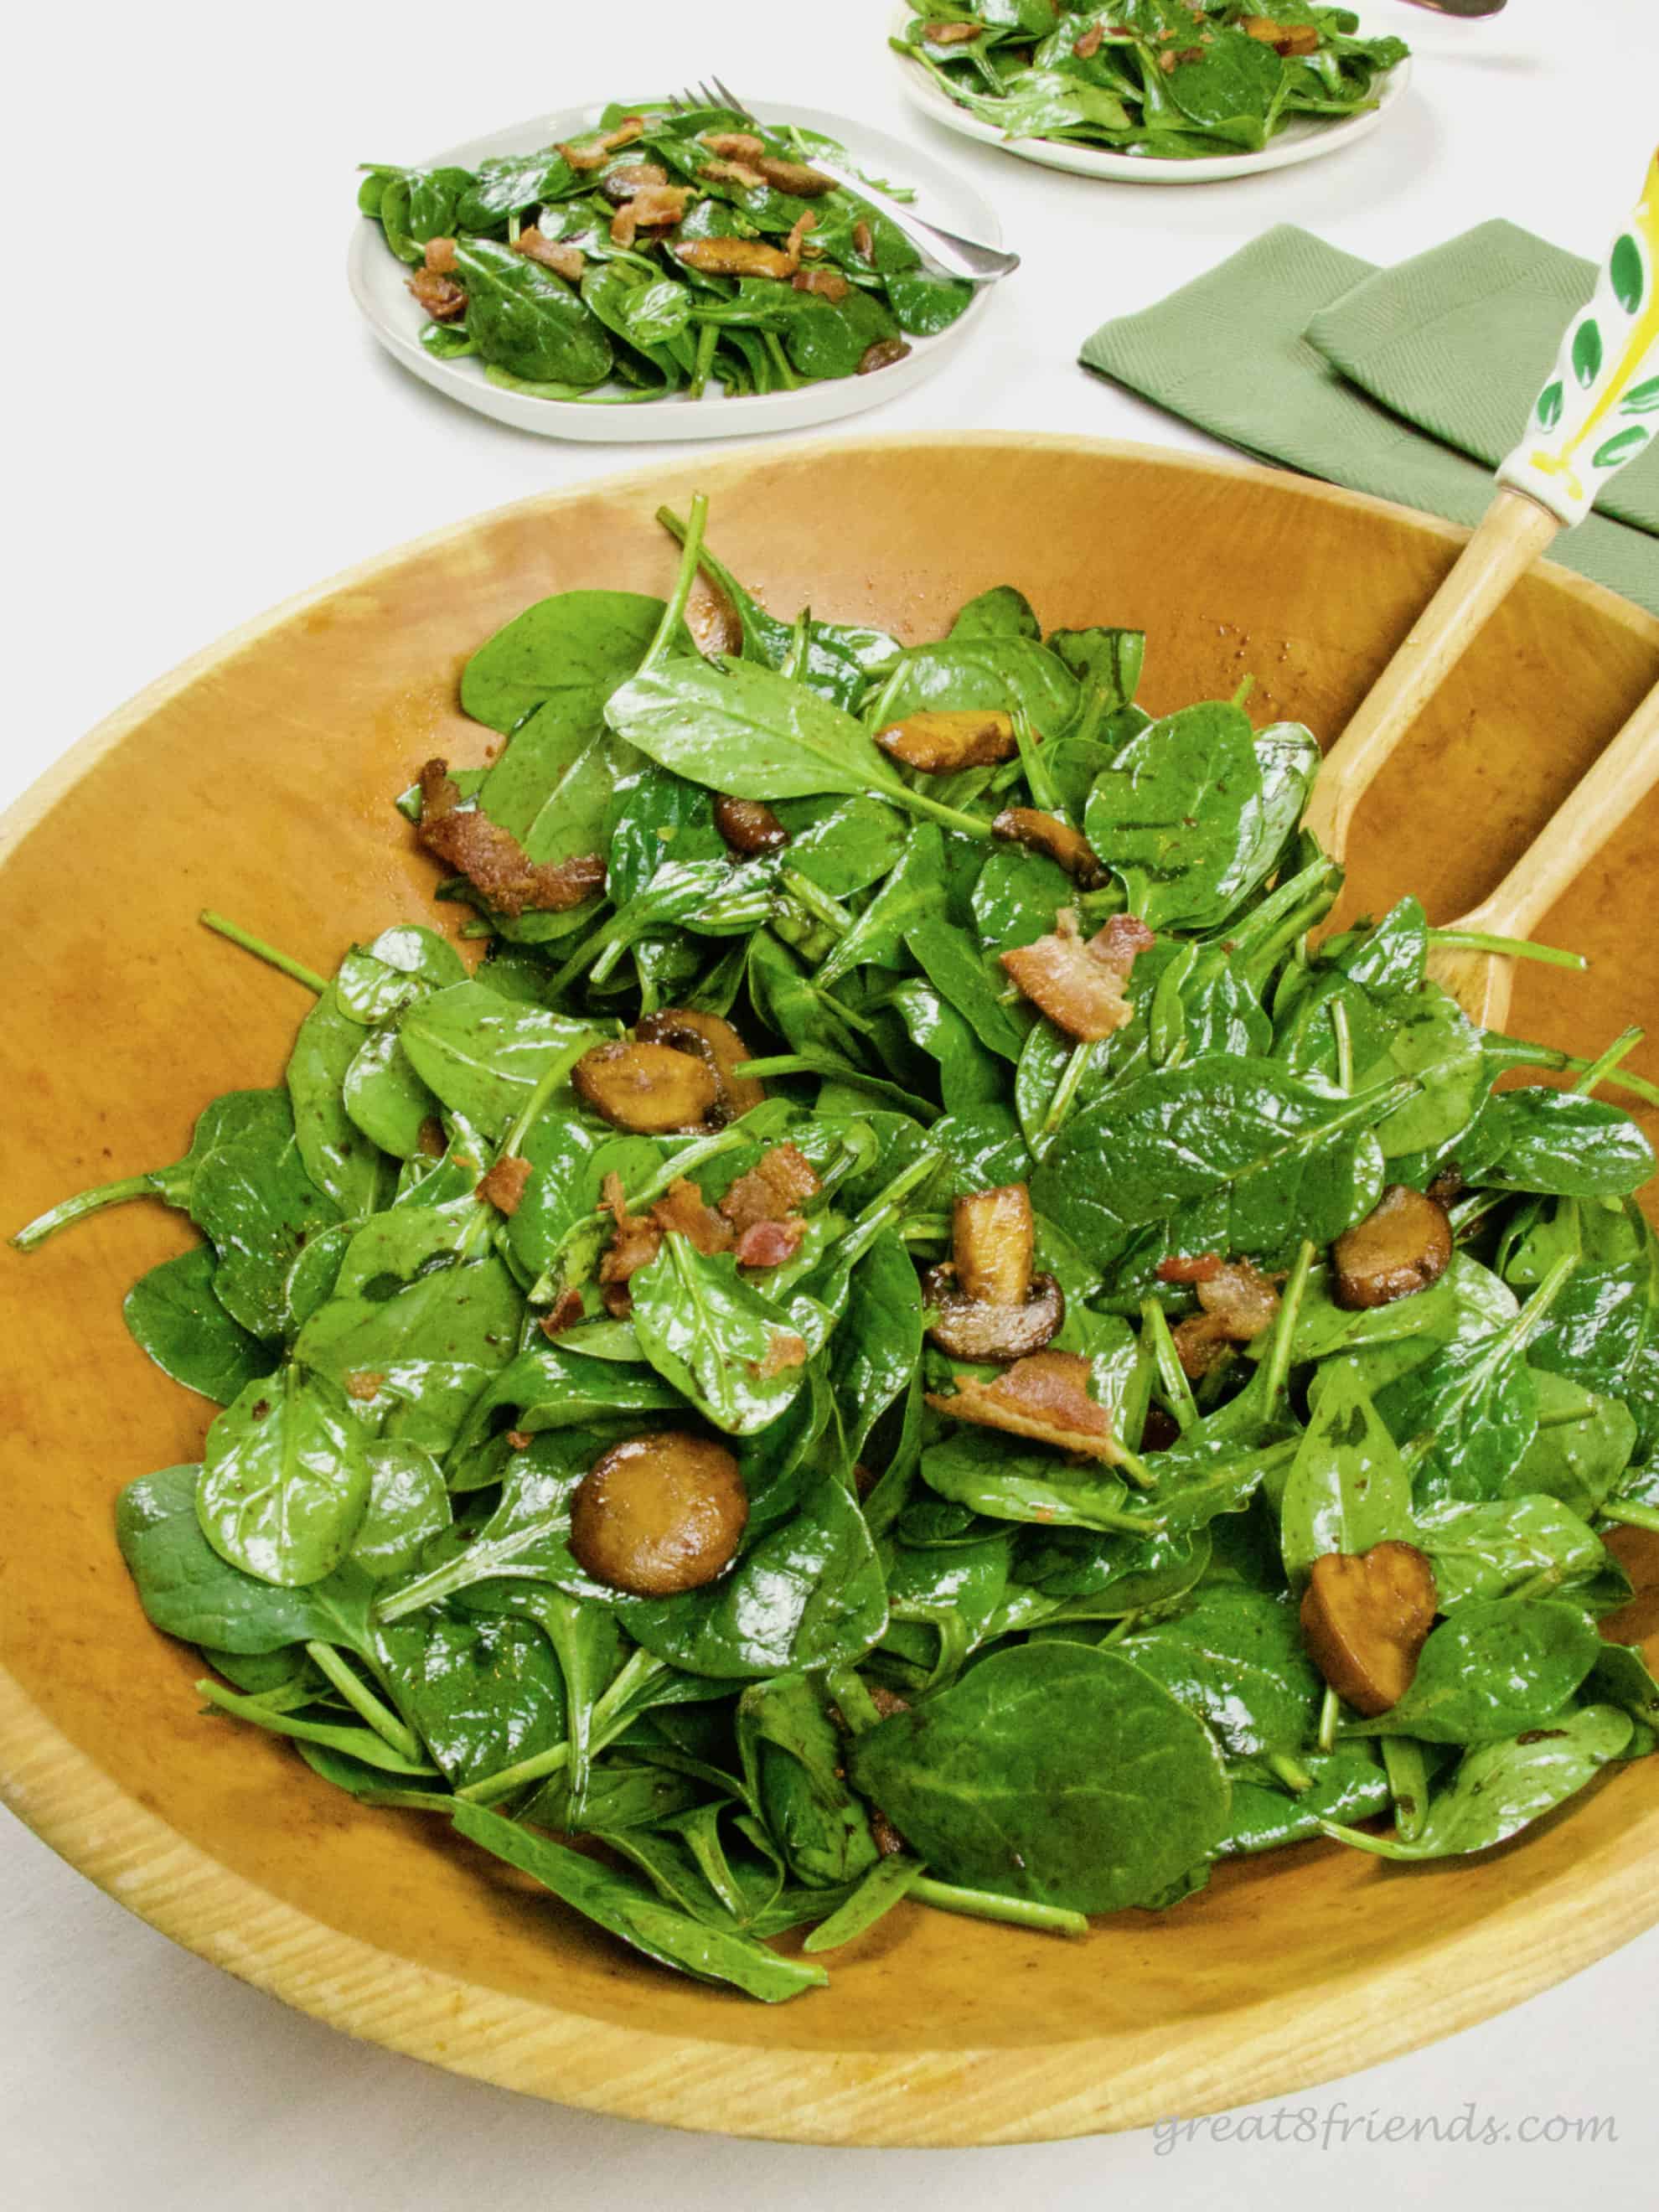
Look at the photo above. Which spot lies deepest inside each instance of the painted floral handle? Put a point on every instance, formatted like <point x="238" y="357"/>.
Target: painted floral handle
<point x="1588" y="422"/>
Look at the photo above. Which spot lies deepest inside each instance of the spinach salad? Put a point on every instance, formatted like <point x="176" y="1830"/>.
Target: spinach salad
<point x="659" y="254"/>
<point x="911" y="1328"/>
<point x="1174" y="80"/>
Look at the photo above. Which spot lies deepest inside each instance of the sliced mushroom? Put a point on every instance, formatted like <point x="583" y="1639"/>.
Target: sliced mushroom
<point x="1402" y="1246"/>
<point x="714" y="1041"/>
<point x="736" y="257"/>
<point x="1080" y="986"/>
<point x="992" y="1235"/>
<point x="793" y="177"/>
<point x="1283" y="37"/>
<point x="1045" y="1396"/>
<point x="945" y="32"/>
<point x="974" y="1329"/>
<point x="748" y="825"/>
<point x="1366" y="1617"/>
<point x="660" y="1514"/>
<point x="734" y="145"/>
<point x="620" y="183"/>
<point x="937" y="740"/>
<point x="1046" y="833"/>
<point x="646" y="1087"/>
<point x="882" y="353"/>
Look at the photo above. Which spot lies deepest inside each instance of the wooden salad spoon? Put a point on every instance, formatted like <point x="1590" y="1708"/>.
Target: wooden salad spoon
<point x="1596" y="412"/>
<point x="1479" y="979"/>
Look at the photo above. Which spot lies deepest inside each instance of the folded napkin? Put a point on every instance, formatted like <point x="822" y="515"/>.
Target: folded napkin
<point x="1384" y="380"/>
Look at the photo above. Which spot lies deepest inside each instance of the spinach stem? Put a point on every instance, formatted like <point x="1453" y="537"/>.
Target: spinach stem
<point x="261" y="951"/>
<point x="1071" y="1082"/>
<point x="1278" y="1365"/>
<point x="1343" y="1033"/>
<point x="786" y="376"/>
<point x="1177" y="1391"/>
<point x="1508" y="948"/>
<point x="1408" y="1784"/>
<point x="971" y="825"/>
<point x="709" y="339"/>
<point x="819" y="904"/>
<point x="1330" y="1711"/>
<point x="882" y="1888"/>
<point x="673" y="613"/>
<point x="1291" y="1771"/>
<point x="690" y="1156"/>
<point x="780" y="1063"/>
<point x="857" y="1708"/>
<point x="1517" y="1053"/>
<point x="1603" y="1065"/>
<point x="984" y="1904"/>
<point x="279" y="1723"/>
<point x="83" y="1203"/>
<point x="612" y="1715"/>
<point x="1633" y="1513"/>
<point x="1037" y="780"/>
<point x="358" y="1695"/>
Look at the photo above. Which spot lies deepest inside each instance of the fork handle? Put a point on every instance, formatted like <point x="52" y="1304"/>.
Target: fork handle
<point x="956" y="255"/>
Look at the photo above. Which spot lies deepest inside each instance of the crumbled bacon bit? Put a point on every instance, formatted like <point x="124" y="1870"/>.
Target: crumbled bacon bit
<point x="655" y="207"/>
<point x="431" y="1137"/>
<point x="363" y="1386"/>
<point x="566" y="261"/>
<point x="624" y="225"/>
<point x="565" y="1313"/>
<point x="492" y="858"/>
<point x="1089" y="45"/>
<point x="1189" y="1267"/>
<point x="791" y="246"/>
<point x="781" y="1180"/>
<point x="683" y="1209"/>
<point x="864" y="241"/>
<point x="887" y="1702"/>
<point x="1045" y="1396"/>
<point x="594" y="155"/>
<point x="1080" y="986"/>
<point x="503" y="1187"/>
<point x="440" y="256"/>
<point x="1237" y="1304"/>
<point x="769" y="1244"/>
<point x="1166" y="60"/>
<point x="731" y="172"/>
<point x="734" y="145"/>
<point x="882" y="1834"/>
<point x="787" y="1350"/>
<point x="441" y="296"/>
<point x="829" y="284"/>
<point x="885" y="353"/>
<point x="520" y="1439"/>
<point x="1189" y="54"/>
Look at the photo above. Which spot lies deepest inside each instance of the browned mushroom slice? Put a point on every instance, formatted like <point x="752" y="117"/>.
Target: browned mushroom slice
<point x="1046" y="833"/>
<point x="660" y="1514"/>
<point x="1080" y="986"/>
<point x="627" y="178"/>
<point x="793" y="177"/>
<point x="1402" y="1246"/>
<point x="992" y="1234"/>
<point x="736" y="257"/>
<point x="937" y="740"/>
<point x="731" y="173"/>
<point x="978" y="1329"/>
<point x="1283" y="38"/>
<point x="947" y="33"/>
<point x="655" y="207"/>
<point x="782" y="1179"/>
<point x="748" y="825"/>
<point x="1366" y="1617"/>
<point x="1045" y="1396"/>
<point x="1237" y="1304"/>
<point x="882" y="353"/>
<point x="648" y="1087"/>
<point x="713" y="1041"/>
<point x="492" y="858"/>
<point x="1089" y="45"/>
<point x="827" y="283"/>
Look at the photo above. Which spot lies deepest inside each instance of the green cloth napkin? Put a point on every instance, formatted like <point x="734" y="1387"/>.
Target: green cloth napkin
<point x="1233" y="353"/>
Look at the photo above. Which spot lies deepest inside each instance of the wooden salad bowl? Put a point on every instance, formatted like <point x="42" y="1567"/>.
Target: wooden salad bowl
<point x="258" y="780"/>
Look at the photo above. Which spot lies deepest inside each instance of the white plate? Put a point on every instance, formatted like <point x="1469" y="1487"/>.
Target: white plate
<point x="1304" y="140"/>
<point x="378" y="284"/>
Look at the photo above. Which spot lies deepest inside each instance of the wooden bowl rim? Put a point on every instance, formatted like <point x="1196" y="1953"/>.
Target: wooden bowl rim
<point x="1289" y="2040"/>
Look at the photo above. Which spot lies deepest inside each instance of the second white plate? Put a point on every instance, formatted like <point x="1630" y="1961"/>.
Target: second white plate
<point x="378" y="284"/>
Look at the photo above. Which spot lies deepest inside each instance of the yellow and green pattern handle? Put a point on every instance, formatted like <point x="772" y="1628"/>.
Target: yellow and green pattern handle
<point x="1601" y="406"/>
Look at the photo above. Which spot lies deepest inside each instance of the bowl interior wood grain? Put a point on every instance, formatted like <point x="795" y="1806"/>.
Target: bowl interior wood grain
<point x="257" y="780"/>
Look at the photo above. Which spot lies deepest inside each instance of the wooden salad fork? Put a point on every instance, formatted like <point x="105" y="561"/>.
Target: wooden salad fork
<point x="1596" y="414"/>
<point x="957" y="256"/>
<point x="1480" y="979"/>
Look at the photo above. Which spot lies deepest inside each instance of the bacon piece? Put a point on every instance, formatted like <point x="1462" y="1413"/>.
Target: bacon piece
<point x="493" y="860"/>
<point x="1283" y="38"/>
<point x="683" y="1209"/>
<point x="864" y="241"/>
<point x="636" y="1244"/>
<point x="566" y="261"/>
<point x="734" y="145"/>
<point x="748" y="825"/>
<point x="805" y="221"/>
<point x="431" y="1137"/>
<point x="829" y="284"/>
<point x="1044" y="1395"/>
<point x="731" y="172"/>
<point x="594" y="155"/>
<point x="769" y="1244"/>
<point x="565" y="1315"/>
<point x="1237" y="1304"/>
<point x="1189" y="1267"/>
<point x="503" y="1187"/>
<point x="1089" y="45"/>
<point x="884" y="353"/>
<point x="655" y="207"/>
<point x="735" y="256"/>
<point x="1080" y="986"/>
<point x="794" y="177"/>
<point x="1047" y="834"/>
<point x="939" y="739"/>
<point x="362" y="1386"/>
<point x="787" y="1350"/>
<point x="779" y="1183"/>
<point x="624" y="226"/>
<point x="440" y="256"/>
<point x="441" y="296"/>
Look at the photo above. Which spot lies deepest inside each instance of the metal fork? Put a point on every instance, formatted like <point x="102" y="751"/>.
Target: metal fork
<point x="956" y="255"/>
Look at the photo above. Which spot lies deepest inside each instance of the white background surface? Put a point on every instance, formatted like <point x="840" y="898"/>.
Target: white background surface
<point x="198" y="427"/>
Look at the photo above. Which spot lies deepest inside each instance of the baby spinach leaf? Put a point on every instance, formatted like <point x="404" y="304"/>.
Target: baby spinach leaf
<point x="1531" y="1543"/>
<point x="337" y="1156"/>
<point x="285" y="1481"/>
<point x="1555" y="1141"/>
<point x="525" y="319"/>
<point x="376" y="982"/>
<point x="713" y="1337"/>
<point x="977" y="1469"/>
<point x="1168" y="817"/>
<point x="1498" y="1667"/>
<point x="567" y="652"/>
<point x="407" y="1506"/>
<point x="484" y="1055"/>
<point x="248" y="1191"/>
<point x="1347" y="1488"/>
<point x="1348" y="1784"/>
<point x="172" y="1313"/>
<point x="483" y="1694"/>
<point x="951" y="963"/>
<point x="1236" y="1658"/>
<point x="1003" y="611"/>
<point x="1052" y="1771"/>
<point x="793" y="1761"/>
<point x="1011" y="674"/>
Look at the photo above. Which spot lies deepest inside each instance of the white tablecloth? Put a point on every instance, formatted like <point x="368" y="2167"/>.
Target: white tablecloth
<point x="198" y="427"/>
